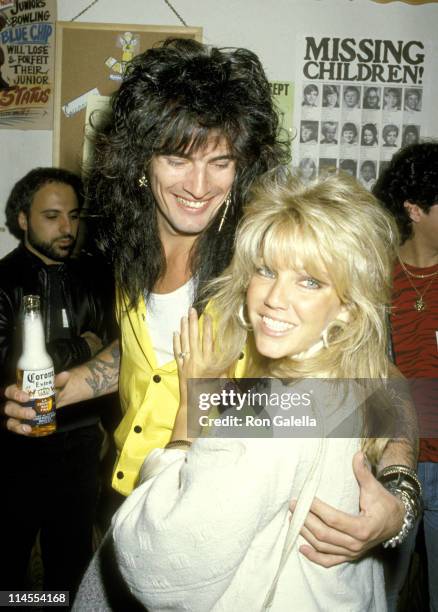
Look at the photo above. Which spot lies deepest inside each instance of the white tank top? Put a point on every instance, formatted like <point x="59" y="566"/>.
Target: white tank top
<point x="163" y="317"/>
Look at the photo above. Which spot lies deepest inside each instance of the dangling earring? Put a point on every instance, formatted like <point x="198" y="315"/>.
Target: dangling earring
<point x="342" y="318"/>
<point x="224" y="214"/>
<point x="143" y="181"/>
<point x="241" y="318"/>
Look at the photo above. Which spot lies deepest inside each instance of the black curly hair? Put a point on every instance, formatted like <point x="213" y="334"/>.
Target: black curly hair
<point x="412" y="176"/>
<point x="172" y="98"/>
<point x="21" y="197"/>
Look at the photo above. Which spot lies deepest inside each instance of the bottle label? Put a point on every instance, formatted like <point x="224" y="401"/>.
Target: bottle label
<point x="45" y="411"/>
<point x="40" y="385"/>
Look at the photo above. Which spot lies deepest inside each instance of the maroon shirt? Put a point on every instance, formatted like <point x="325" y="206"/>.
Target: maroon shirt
<point x="415" y="341"/>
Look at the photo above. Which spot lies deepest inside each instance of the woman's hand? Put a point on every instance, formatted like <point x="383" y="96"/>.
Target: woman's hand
<point x="193" y="356"/>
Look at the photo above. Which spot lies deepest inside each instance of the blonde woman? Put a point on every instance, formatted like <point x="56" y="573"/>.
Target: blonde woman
<point x="209" y="527"/>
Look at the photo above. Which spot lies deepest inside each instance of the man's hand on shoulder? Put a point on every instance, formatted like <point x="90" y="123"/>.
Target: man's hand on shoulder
<point x="334" y="536"/>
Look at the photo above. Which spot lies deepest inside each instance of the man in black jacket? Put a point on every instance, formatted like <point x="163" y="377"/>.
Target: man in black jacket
<point x="51" y="484"/>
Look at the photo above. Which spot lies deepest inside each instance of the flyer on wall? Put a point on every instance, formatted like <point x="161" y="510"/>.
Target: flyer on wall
<point x="27" y="57"/>
<point x="283" y="95"/>
<point x="357" y="101"/>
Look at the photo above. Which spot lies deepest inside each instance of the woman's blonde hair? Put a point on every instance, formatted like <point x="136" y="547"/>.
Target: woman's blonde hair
<point x="331" y="226"/>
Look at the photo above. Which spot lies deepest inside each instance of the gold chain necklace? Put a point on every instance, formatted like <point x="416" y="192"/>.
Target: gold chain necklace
<point x="416" y="275"/>
<point x="419" y="304"/>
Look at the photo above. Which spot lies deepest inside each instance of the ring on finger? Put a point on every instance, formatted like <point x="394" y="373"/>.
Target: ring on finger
<point x="183" y="354"/>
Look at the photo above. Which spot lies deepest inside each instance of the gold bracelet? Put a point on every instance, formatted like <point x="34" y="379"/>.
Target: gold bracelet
<point x="178" y="443"/>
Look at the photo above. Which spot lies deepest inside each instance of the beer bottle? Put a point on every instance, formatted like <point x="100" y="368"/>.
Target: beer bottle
<point x="35" y="373"/>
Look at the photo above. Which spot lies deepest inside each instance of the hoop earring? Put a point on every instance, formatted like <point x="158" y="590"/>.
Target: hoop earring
<point x="143" y="181"/>
<point x="241" y="318"/>
<point x="224" y="214"/>
<point x="340" y="322"/>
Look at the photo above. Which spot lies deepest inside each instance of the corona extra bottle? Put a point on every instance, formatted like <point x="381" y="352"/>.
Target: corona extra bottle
<point x="35" y="373"/>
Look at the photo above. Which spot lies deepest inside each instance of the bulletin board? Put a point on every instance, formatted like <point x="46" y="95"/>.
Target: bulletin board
<point x="90" y="59"/>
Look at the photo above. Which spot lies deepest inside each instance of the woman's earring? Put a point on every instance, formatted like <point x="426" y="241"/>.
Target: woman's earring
<point x="340" y="321"/>
<point x="143" y="181"/>
<point x="224" y="214"/>
<point x="241" y="318"/>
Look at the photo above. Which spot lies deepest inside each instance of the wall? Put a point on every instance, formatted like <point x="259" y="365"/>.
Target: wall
<point x="269" y="29"/>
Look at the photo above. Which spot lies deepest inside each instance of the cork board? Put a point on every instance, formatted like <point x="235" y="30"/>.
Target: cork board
<point x="90" y="58"/>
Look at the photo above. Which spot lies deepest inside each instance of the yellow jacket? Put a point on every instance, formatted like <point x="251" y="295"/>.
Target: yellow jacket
<point x="149" y="396"/>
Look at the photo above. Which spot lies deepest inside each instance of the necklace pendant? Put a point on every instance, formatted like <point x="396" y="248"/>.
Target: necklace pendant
<point x="419" y="305"/>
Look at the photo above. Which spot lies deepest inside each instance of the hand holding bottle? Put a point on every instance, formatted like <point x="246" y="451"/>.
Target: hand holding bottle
<point x="35" y="372"/>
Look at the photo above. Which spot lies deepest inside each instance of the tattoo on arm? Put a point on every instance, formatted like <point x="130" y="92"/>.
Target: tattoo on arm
<point x="104" y="372"/>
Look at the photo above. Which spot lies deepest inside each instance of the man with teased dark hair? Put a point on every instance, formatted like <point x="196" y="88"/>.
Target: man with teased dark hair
<point x="191" y="127"/>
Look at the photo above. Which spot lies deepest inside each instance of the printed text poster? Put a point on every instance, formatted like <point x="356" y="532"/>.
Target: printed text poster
<point x="283" y="94"/>
<point x="27" y="51"/>
<point x="357" y="101"/>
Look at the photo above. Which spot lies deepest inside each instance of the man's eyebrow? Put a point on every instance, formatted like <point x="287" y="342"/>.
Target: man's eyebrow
<point x="226" y="156"/>
<point x="188" y="156"/>
<point x="57" y="210"/>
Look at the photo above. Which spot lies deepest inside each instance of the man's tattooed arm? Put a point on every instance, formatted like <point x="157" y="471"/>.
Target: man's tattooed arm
<point x="103" y="370"/>
<point x="96" y="377"/>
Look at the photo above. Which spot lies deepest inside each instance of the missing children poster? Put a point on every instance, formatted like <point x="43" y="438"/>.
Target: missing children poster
<point x="27" y="55"/>
<point x="357" y="101"/>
